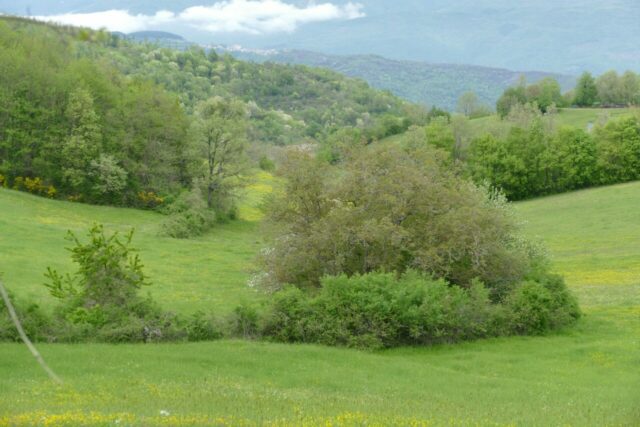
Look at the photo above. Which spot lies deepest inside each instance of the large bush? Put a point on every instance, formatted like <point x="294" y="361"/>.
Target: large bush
<point x="390" y="208"/>
<point x="383" y="310"/>
<point x="188" y="216"/>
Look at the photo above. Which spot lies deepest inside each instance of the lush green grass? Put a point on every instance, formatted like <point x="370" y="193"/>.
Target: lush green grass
<point x="594" y="235"/>
<point x="582" y="117"/>
<point x="210" y="272"/>
<point x="587" y="375"/>
<point x="576" y="117"/>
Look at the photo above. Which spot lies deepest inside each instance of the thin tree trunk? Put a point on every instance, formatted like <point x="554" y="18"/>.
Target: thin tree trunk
<point x="24" y="337"/>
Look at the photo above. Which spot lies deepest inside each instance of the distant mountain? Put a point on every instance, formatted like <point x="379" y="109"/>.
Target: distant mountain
<point x="159" y="35"/>
<point x="162" y="38"/>
<point x="566" y="36"/>
<point x="421" y="82"/>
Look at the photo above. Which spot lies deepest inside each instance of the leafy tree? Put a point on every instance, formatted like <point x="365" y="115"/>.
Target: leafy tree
<point x="83" y="144"/>
<point x="101" y="301"/>
<point x="435" y="112"/>
<point x="514" y="164"/>
<point x="108" y="177"/>
<point x="468" y="104"/>
<point x="545" y="93"/>
<point x="390" y="208"/>
<point x="570" y="161"/>
<point x="439" y="133"/>
<point x="586" y="92"/>
<point x="220" y="128"/>
<point x="618" y="145"/>
<point x="610" y="91"/>
<point x="630" y="83"/>
<point x="462" y="131"/>
<point x="511" y="96"/>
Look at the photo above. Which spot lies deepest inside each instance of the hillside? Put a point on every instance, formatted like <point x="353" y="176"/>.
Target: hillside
<point x="582" y="118"/>
<point x="287" y="104"/>
<point x="186" y="275"/>
<point x="584" y="376"/>
<point x="421" y="82"/>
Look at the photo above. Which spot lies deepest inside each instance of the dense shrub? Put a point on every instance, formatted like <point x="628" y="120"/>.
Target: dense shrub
<point x="383" y="310"/>
<point x="390" y="208"/>
<point x="266" y="164"/>
<point x="188" y="216"/>
<point x="538" y="306"/>
<point x="204" y="327"/>
<point x="243" y="322"/>
<point x="618" y="145"/>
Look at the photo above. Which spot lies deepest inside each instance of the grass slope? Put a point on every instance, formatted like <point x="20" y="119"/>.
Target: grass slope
<point x="584" y="376"/>
<point x="206" y="273"/>
<point x="581" y="118"/>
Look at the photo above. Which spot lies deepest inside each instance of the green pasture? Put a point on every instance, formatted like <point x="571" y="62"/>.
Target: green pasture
<point x="585" y="376"/>
<point x="208" y="273"/>
<point x="581" y="118"/>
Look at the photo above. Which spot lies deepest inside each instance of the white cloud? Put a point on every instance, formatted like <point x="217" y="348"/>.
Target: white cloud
<point x="113" y="20"/>
<point x="245" y="16"/>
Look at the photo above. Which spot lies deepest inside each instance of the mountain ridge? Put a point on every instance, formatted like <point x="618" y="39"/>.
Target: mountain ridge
<point x="427" y="83"/>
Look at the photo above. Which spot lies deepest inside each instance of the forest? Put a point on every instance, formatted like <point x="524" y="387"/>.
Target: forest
<point x="91" y="117"/>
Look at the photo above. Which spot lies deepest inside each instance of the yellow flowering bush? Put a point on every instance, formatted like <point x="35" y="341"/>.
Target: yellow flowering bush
<point x="149" y="199"/>
<point x="32" y="185"/>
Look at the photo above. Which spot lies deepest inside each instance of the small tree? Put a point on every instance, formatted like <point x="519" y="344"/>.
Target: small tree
<point x="511" y="97"/>
<point x="100" y="300"/>
<point x="109" y="273"/>
<point x="468" y="104"/>
<point x="586" y="91"/>
<point x="610" y="91"/>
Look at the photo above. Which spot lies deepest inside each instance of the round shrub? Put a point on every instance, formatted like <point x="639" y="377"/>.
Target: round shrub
<point x="391" y="208"/>
<point x="189" y="216"/>
<point x="537" y="307"/>
<point x="377" y="310"/>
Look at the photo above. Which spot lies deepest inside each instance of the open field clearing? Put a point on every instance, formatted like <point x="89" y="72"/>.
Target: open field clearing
<point x="577" y="117"/>
<point x="587" y="375"/>
<point x="213" y="269"/>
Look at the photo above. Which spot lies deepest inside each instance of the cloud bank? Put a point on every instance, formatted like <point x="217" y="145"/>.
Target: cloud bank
<point x="241" y="16"/>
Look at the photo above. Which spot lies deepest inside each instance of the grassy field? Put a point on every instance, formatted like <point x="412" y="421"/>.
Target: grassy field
<point x="586" y="376"/>
<point x="576" y="117"/>
<point x="186" y="275"/>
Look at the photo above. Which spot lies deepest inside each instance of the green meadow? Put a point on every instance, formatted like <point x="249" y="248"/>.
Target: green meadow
<point x="209" y="272"/>
<point x="580" y="118"/>
<point x="584" y="376"/>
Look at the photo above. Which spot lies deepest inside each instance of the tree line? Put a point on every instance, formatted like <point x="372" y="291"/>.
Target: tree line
<point x="607" y="90"/>
<point x="88" y="116"/>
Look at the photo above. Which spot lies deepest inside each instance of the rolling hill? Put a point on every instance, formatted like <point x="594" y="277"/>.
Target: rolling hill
<point x="584" y="376"/>
<point x="420" y="82"/>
